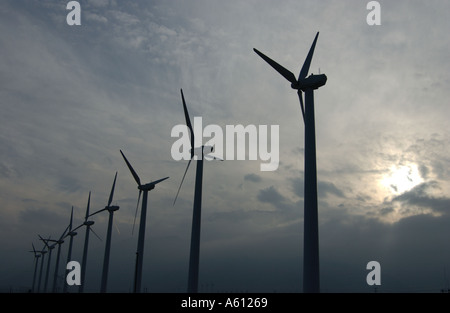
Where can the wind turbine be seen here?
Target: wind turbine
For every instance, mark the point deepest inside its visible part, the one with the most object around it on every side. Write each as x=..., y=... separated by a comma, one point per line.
x=43, y=252
x=110, y=208
x=140, y=247
x=71, y=234
x=58, y=242
x=36, y=259
x=311, y=278
x=196, y=216
x=50, y=249
x=88, y=225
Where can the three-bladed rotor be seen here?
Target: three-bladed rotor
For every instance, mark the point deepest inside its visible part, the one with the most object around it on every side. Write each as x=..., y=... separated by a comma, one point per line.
x=302, y=83
x=145, y=187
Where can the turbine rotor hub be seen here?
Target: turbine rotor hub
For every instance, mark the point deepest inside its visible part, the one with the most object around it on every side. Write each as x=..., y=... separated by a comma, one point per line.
x=295, y=86
x=112, y=208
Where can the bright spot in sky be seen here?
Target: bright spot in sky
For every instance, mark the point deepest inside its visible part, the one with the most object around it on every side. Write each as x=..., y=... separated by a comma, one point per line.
x=402, y=178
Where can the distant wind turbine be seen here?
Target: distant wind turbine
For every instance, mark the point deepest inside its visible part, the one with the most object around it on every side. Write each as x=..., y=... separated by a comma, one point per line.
x=43, y=252
x=311, y=278
x=36, y=261
x=71, y=233
x=110, y=208
x=50, y=249
x=196, y=217
x=59, y=242
x=140, y=247
x=88, y=225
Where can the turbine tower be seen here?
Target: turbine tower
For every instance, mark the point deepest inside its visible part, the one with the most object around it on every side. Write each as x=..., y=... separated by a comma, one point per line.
x=43, y=252
x=88, y=225
x=71, y=234
x=36, y=261
x=50, y=249
x=111, y=209
x=311, y=277
x=197, y=210
x=140, y=247
x=58, y=242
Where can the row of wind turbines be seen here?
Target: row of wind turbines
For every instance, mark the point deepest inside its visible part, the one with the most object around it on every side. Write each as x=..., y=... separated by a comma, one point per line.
x=70, y=232
x=311, y=276
x=143, y=189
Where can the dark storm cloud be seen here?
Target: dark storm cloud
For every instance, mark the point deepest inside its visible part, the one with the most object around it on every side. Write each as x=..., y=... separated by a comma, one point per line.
x=253, y=178
x=271, y=195
x=420, y=197
x=386, y=211
x=324, y=188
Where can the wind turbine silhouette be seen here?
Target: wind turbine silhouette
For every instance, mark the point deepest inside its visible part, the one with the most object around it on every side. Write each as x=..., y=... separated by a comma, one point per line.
x=140, y=247
x=58, y=242
x=196, y=217
x=311, y=278
x=36, y=261
x=42, y=252
x=50, y=249
x=71, y=234
x=110, y=208
x=88, y=225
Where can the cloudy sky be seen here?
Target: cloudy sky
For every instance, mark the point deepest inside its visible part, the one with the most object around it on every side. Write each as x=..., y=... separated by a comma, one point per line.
x=72, y=96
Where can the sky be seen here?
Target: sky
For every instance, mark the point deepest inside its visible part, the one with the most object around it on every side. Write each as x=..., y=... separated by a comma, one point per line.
x=72, y=96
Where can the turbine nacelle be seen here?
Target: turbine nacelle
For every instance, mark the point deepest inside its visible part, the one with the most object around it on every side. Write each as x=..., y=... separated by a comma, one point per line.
x=202, y=151
x=112, y=208
x=88, y=223
x=311, y=82
x=149, y=186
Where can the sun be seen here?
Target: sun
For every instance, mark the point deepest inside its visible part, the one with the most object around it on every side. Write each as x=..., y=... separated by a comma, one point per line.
x=402, y=178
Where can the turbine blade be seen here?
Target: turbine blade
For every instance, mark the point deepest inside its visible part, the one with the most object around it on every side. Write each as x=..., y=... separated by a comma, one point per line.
x=188, y=123
x=136, y=177
x=98, y=211
x=305, y=68
x=77, y=227
x=159, y=180
x=95, y=234
x=87, y=208
x=64, y=233
x=71, y=219
x=44, y=240
x=280, y=69
x=212, y=157
x=112, y=190
x=301, y=104
x=187, y=167
x=135, y=213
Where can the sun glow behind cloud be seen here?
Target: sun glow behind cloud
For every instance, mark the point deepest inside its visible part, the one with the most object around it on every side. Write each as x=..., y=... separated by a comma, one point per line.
x=401, y=178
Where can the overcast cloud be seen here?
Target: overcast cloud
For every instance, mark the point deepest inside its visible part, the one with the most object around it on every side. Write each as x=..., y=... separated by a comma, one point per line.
x=72, y=96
